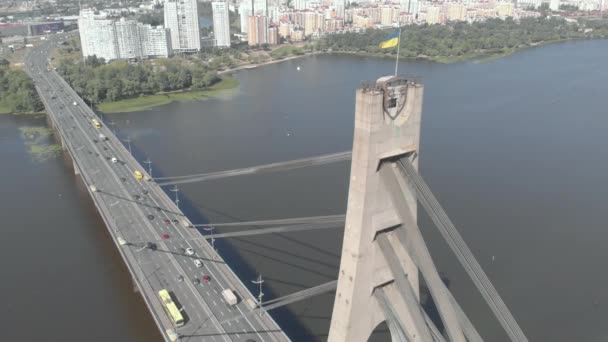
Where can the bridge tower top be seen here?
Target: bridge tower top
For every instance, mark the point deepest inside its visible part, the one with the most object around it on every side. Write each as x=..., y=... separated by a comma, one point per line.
x=387, y=126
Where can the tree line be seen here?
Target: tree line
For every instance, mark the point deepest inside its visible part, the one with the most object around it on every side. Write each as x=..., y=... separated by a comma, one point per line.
x=97, y=81
x=17, y=91
x=463, y=39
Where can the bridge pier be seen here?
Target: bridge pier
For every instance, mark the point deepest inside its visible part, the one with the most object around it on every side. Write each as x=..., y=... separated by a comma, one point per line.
x=387, y=126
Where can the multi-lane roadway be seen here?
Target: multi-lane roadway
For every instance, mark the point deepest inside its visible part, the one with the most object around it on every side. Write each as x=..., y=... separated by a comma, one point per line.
x=156, y=232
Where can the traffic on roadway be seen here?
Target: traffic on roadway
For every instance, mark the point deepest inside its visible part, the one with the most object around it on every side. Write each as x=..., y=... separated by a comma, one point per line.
x=189, y=289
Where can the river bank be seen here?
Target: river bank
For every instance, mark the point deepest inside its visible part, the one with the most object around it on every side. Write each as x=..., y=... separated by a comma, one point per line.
x=479, y=56
x=150, y=101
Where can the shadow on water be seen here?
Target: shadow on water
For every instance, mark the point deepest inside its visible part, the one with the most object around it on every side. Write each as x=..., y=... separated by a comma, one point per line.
x=284, y=317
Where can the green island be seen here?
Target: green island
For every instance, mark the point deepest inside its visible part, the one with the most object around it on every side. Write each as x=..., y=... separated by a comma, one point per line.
x=17, y=91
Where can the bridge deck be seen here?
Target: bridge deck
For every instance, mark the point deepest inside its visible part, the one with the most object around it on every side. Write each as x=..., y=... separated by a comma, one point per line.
x=144, y=219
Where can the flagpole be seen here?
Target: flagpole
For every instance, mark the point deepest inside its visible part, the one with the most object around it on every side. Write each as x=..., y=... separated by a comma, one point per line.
x=398, y=45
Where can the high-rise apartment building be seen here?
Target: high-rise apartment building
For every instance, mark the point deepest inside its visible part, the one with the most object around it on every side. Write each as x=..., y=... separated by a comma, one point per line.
x=221, y=24
x=389, y=15
x=433, y=15
x=410, y=6
x=456, y=11
x=248, y=8
x=340, y=6
x=114, y=39
x=554, y=5
x=181, y=18
x=258, y=30
x=128, y=39
x=97, y=35
x=273, y=36
x=504, y=9
x=155, y=41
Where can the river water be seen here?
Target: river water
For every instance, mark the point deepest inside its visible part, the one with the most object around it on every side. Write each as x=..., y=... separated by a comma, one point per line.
x=514, y=150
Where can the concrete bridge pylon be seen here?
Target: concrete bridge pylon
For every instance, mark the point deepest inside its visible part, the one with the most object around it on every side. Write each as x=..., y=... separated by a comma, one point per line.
x=378, y=280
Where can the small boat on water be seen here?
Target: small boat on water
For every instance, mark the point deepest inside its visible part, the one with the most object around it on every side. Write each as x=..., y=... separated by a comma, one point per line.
x=298, y=68
x=251, y=67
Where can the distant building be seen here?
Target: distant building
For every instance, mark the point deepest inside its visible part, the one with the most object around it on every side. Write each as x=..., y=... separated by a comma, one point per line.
x=410, y=6
x=340, y=6
x=181, y=18
x=97, y=36
x=456, y=11
x=389, y=15
x=433, y=15
x=504, y=9
x=115, y=39
x=529, y=3
x=248, y=8
x=221, y=24
x=155, y=41
x=127, y=39
x=554, y=5
x=273, y=36
x=258, y=30
x=36, y=29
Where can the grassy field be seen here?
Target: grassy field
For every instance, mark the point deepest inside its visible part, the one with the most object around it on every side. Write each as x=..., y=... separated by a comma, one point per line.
x=147, y=102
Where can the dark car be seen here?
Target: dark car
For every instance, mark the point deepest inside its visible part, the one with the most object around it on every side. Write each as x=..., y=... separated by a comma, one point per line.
x=150, y=217
x=151, y=245
x=196, y=281
x=157, y=208
x=136, y=196
x=145, y=192
x=167, y=221
x=175, y=221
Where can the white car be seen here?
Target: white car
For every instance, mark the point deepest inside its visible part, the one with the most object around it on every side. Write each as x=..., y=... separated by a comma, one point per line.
x=75, y=104
x=189, y=251
x=198, y=263
x=114, y=160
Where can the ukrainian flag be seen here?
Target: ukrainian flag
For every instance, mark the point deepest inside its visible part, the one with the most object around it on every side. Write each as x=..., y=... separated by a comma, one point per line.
x=390, y=41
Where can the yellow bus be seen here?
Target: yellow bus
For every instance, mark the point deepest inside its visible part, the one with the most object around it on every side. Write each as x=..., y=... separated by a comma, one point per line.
x=138, y=174
x=96, y=123
x=170, y=307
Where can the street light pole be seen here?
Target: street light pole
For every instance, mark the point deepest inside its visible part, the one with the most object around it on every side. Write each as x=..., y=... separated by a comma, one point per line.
x=149, y=162
x=211, y=228
x=176, y=190
x=128, y=141
x=259, y=281
x=112, y=123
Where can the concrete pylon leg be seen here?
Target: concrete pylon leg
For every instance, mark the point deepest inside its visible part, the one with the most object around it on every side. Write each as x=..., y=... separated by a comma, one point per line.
x=387, y=125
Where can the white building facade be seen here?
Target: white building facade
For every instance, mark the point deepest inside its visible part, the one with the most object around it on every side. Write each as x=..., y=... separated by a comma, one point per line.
x=181, y=18
x=115, y=39
x=221, y=24
x=127, y=39
x=97, y=36
x=155, y=41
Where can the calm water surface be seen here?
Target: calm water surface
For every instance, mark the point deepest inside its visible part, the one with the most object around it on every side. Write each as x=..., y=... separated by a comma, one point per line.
x=514, y=149
x=62, y=278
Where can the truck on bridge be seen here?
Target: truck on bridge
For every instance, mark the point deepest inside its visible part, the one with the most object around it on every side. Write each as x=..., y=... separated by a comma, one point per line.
x=230, y=297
